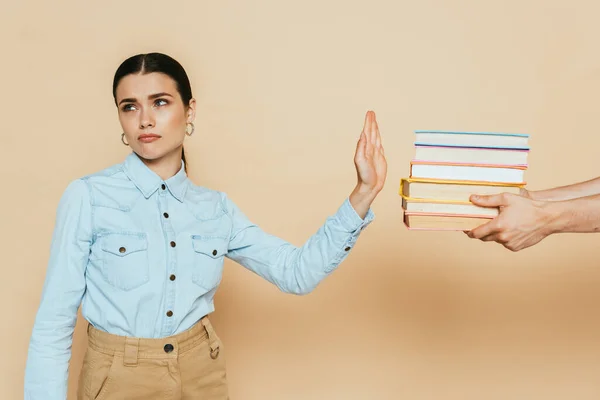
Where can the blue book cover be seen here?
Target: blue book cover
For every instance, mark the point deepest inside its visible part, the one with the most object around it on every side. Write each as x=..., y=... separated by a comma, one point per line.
x=475, y=133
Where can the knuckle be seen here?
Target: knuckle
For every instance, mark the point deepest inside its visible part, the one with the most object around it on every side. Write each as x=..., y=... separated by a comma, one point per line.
x=503, y=237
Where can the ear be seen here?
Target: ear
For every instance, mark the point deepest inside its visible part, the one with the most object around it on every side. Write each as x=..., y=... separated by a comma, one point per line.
x=191, y=111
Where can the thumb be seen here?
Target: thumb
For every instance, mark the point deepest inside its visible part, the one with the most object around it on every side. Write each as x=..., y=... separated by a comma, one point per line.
x=494, y=200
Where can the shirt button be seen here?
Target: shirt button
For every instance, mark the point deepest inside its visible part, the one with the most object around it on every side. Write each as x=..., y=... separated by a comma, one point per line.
x=173, y=244
x=163, y=187
x=168, y=348
x=172, y=277
x=169, y=313
x=214, y=252
x=122, y=250
x=347, y=248
x=166, y=215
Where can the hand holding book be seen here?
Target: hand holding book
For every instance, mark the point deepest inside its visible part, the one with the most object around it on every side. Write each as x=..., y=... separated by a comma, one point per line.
x=449, y=166
x=521, y=221
x=474, y=182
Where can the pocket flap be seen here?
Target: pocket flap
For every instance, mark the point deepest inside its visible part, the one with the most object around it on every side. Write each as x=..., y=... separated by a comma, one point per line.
x=213, y=248
x=124, y=244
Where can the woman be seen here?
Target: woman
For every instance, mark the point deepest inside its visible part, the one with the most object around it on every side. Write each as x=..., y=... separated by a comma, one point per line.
x=141, y=248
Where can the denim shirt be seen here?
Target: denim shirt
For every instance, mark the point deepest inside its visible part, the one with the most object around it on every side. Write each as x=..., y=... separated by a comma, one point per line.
x=144, y=257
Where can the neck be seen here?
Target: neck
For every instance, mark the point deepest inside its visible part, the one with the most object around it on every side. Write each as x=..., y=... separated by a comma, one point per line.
x=167, y=165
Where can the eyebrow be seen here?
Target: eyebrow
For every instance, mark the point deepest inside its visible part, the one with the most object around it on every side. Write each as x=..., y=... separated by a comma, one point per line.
x=151, y=97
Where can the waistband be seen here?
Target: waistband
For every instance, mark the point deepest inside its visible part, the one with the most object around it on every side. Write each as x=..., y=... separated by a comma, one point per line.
x=132, y=348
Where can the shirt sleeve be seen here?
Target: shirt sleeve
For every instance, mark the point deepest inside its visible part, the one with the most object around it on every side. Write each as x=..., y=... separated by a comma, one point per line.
x=46, y=372
x=295, y=269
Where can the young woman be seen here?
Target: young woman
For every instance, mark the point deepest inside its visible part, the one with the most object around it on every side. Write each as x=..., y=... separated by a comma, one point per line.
x=141, y=248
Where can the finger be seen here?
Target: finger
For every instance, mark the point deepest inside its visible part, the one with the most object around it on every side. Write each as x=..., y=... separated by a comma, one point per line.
x=484, y=230
x=360, y=147
x=367, y=122
x=495, y=200
x=367, y=127
x=368, y=135
x=378, y=144
x=379, y=155
x=490, y=238
x=374, y=129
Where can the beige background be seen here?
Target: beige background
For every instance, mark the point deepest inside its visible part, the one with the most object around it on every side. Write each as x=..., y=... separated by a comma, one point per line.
x=283, y=87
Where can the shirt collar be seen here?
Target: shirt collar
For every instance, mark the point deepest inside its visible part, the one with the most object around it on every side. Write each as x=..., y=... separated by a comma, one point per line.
x=147, y=181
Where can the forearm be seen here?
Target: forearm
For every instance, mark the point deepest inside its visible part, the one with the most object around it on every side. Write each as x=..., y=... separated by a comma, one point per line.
x=295, y=269
x=46, y=372
x=361, y=200
x=47, y=366
x=568, y=192
x=577, y=215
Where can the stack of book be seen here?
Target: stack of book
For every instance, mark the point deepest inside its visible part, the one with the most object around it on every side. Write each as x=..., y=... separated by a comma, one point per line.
x=448, y=167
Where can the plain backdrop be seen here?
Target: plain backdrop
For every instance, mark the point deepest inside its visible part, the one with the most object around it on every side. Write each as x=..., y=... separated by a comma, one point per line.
x=282, y=90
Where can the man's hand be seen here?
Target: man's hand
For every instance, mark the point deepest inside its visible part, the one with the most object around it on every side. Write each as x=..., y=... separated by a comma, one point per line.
x=521, y=222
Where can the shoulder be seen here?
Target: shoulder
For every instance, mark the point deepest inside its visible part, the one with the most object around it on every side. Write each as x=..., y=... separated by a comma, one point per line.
x=115, y=171
x=76, y=189
x=74, y=199
x=111, y=188
x=205, y=203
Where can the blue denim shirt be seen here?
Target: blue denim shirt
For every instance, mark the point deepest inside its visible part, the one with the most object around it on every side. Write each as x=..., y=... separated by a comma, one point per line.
x=144, y=257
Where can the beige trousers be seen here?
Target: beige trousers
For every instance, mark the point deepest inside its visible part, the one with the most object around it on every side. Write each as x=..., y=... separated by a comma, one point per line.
x=190, y=365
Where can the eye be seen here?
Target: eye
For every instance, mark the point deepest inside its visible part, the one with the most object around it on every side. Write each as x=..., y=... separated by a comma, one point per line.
x=128, y=107
x=161, y=102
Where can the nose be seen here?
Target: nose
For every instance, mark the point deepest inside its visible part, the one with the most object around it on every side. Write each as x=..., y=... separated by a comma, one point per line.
x=146, y=119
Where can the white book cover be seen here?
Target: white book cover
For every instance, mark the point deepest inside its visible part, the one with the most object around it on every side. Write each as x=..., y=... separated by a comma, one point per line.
x=468, y=173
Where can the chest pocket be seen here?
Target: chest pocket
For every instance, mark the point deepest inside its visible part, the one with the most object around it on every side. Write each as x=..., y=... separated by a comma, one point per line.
x=125, y=260
x=209, y=254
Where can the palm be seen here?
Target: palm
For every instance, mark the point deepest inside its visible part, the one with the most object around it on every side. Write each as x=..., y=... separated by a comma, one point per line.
x=371, y=166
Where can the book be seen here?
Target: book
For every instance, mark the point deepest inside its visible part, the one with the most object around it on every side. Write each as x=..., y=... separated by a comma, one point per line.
x=471, y=155
x=476, y=172
x=441, y=207
x=473, y=139
x=451, y=190
x=449, y=166
x=442, y=222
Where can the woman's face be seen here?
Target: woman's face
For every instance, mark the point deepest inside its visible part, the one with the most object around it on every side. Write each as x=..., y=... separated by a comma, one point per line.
x=152, y=114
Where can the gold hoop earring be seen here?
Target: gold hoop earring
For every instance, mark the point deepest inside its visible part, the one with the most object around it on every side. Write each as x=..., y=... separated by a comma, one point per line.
x=123, y=139
x=187, y=132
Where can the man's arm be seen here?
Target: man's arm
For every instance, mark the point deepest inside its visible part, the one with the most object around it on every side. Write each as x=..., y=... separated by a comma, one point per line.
x=582, y=189
x=577, y=215
x=523, y=222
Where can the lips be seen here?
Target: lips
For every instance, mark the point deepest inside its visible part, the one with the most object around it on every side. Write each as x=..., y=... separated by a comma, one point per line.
x=148, y=137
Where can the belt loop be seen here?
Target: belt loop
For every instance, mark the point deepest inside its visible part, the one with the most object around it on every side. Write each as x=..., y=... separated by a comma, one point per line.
x=212, y=338
x=130, y=357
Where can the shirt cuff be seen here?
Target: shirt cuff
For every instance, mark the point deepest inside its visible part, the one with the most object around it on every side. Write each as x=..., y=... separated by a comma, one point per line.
x=350, y=220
